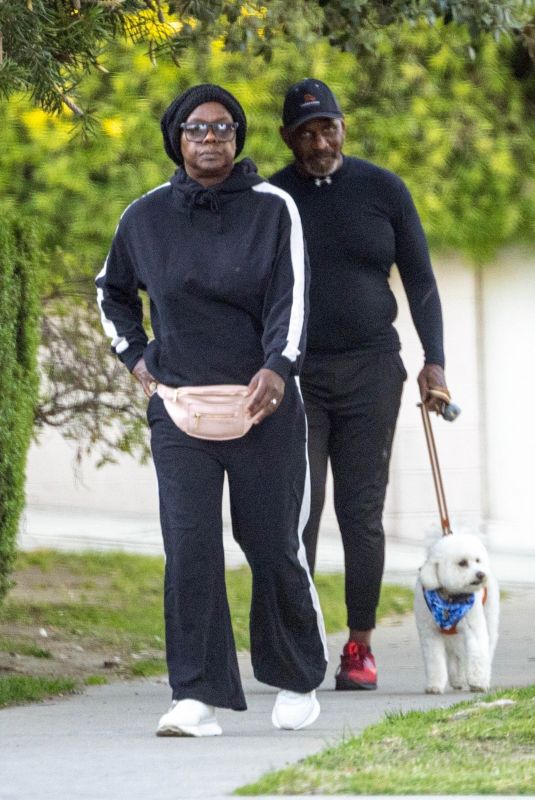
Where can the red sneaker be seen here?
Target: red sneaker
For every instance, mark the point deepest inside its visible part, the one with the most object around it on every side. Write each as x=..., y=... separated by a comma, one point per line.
x=357, y=668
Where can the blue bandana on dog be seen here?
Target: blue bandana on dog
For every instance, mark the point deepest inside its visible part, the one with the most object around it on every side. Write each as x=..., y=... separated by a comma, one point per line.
x=447, y=612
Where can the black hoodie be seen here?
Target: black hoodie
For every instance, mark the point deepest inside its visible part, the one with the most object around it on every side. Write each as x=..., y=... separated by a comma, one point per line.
x=227, y=276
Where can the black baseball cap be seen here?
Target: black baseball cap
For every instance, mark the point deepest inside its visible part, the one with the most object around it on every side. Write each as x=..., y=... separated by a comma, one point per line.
x=309, y=99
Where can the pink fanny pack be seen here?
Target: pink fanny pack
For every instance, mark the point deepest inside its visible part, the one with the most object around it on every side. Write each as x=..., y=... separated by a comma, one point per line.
x=208, y=412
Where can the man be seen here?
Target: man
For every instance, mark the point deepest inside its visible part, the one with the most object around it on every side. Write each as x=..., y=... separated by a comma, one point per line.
x=358, y=220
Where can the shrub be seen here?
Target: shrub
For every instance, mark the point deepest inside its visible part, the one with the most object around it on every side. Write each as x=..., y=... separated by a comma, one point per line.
x=18, y=375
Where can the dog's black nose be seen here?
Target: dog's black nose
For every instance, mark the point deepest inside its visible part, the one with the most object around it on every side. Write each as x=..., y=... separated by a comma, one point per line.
x=480, y=575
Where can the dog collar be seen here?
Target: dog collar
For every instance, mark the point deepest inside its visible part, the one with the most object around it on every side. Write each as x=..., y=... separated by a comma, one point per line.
x=448, y=611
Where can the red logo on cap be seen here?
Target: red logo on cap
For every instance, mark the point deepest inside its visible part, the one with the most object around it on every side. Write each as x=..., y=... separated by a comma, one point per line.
x=309, y=98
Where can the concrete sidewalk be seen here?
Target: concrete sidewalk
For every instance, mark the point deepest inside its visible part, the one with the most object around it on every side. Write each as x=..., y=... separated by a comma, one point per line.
x=77, y=530
x=101, y=745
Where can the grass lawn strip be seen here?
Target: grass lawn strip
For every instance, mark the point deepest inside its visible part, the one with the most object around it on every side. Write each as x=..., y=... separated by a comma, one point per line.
x=99, y=616
x=468, y=749
x=26, y=689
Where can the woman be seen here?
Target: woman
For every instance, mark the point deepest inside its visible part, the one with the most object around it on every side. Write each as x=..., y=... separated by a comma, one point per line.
x=220, y=253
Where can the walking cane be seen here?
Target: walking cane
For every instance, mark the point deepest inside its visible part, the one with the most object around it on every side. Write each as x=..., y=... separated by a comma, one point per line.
x=449, y=412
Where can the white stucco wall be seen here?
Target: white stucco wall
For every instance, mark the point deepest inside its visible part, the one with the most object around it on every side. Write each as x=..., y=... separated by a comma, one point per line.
x=489, y=342
x=411, y=507
x=508, y=319
x=53, y=478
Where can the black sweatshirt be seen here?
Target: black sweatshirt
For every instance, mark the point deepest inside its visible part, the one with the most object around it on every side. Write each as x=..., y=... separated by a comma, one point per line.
x=356, y=226
x=227, y=278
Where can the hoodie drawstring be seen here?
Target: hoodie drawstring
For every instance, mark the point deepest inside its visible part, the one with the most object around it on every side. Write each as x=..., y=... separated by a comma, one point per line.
x=190, y=194
x=205, y=198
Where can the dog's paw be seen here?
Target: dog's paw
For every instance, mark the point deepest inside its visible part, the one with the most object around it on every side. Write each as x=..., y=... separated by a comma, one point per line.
x=433, y=690
x=457, y=686
x=478, y=688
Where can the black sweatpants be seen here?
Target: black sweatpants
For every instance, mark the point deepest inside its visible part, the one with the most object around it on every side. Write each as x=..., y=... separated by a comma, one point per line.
x=352, y=402
x=269, y=493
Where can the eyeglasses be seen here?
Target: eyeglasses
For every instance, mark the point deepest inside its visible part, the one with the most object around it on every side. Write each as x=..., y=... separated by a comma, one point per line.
x=198, y=131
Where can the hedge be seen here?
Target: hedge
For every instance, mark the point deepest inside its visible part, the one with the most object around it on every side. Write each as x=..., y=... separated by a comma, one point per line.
x=18, y=375
x=461, y=134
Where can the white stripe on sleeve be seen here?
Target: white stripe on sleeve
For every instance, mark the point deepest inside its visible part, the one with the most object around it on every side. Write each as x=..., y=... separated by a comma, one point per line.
x=118, y=343
x=297, y=250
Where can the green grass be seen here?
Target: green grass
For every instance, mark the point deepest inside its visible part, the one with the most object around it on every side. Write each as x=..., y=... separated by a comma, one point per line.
x=111, y=604
x=464, y=750
x=113, y=597
x=146, y=667
x=117, y=598
x=28, y=689
x=21, y=648
x=95, y=680
x=394, y=600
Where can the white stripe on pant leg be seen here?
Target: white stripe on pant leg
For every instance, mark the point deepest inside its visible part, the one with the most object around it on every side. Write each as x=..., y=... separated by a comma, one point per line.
x=301, y=553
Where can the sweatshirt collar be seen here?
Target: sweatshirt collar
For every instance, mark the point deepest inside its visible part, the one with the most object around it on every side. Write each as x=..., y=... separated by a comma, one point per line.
x=189, y=194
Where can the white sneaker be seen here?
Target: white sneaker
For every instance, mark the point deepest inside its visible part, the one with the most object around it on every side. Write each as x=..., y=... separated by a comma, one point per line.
x=189, y=718
x=293, y=711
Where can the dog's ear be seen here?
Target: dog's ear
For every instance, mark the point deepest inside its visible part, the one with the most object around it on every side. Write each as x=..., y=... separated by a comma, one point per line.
x=429, y=575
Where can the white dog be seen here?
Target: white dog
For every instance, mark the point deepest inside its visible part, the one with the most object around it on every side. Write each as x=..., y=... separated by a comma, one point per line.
x=457, y=606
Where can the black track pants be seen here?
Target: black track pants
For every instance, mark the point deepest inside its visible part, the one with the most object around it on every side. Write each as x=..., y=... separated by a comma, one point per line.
x=352, y=403
x=269, y=494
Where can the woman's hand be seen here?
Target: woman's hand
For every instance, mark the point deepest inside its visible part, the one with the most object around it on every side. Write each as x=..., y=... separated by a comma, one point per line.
x=147, y=381
x=266, y=390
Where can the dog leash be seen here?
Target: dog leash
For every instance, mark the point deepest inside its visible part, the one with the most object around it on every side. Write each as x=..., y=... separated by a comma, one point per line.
x=450, y=412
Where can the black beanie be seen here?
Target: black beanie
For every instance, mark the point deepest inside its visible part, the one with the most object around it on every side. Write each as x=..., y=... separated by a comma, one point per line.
x=184, y=104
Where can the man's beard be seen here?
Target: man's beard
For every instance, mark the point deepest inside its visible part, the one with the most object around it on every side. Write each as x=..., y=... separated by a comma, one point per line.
x=321, y=166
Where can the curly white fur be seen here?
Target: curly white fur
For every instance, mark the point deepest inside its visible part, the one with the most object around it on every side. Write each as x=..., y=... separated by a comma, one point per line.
x=458, y=564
